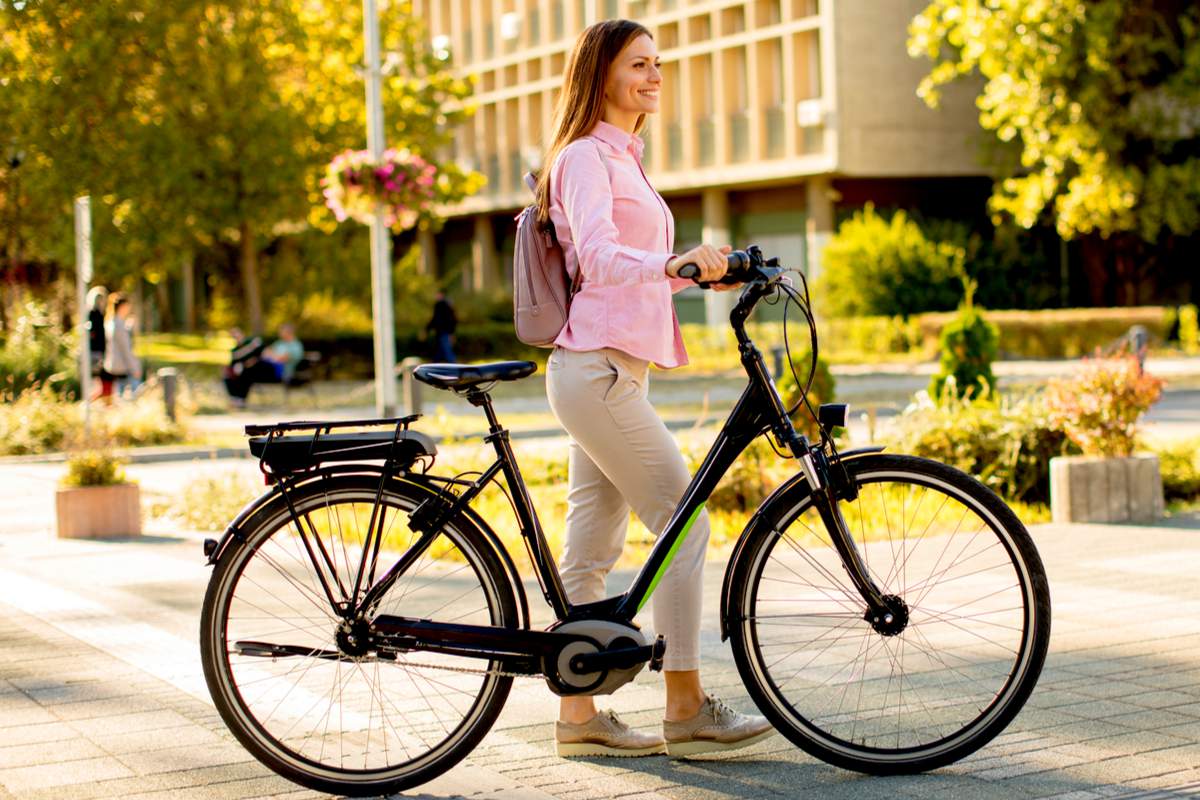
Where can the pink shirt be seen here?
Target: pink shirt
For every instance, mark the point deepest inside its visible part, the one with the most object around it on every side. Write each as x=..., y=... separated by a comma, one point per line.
x=614, y=226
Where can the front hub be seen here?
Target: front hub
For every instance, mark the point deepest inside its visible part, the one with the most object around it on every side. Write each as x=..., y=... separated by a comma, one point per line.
x=892, y=619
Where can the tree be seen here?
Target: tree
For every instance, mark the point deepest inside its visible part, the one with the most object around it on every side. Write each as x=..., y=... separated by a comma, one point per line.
x=205, y=125
x=1098, y=103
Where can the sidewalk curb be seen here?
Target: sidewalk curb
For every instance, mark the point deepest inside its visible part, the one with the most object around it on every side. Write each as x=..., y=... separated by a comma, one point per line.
x=139, y=455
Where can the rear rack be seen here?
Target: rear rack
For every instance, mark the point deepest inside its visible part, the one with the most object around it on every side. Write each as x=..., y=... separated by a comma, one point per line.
x=402, y=423
x=276, y=431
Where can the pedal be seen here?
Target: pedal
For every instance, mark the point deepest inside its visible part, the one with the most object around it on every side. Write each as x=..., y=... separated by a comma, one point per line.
x=656, y=654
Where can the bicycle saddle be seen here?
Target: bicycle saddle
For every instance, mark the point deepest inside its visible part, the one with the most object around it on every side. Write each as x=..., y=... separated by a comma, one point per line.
x=460, y=376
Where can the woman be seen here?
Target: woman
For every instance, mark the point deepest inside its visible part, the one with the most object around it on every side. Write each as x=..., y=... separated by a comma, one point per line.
x=119, y=360
x=618, y=230
x=97, y=298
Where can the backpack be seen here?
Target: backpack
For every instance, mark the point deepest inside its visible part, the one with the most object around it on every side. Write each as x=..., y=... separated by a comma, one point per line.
x=542, y=289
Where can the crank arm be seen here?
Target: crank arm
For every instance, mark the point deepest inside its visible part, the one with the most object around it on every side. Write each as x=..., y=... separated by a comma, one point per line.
x=621, y=658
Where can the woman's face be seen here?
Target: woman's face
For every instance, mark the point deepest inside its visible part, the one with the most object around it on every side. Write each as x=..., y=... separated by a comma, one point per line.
x=634, y=79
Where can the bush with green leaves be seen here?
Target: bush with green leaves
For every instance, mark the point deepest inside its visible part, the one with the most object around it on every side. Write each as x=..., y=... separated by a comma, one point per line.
x=1189, y=330
x=821, y=391
x=1179, y=463
x=37, y=351
x=968, y=346
x=876, y=266
x=1007, y=443
x=38, y=420
x=95, y=466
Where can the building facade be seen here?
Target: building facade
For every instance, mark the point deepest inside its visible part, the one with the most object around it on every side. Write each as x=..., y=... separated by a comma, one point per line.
x=774, y=115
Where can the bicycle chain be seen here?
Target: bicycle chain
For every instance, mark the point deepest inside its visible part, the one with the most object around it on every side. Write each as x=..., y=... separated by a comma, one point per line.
x=468, y=670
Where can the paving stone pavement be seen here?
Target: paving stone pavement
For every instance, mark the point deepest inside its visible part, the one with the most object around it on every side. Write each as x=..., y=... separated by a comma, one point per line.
x=101, y=694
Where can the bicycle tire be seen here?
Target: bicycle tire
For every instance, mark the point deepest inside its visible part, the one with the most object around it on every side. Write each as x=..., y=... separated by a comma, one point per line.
x=965, y=687
x=269, y=555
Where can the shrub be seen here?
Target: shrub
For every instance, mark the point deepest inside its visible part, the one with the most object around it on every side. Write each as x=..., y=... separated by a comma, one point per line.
x=968, y=347
x=822, y=391
x=1099, y=407
x=38, y=352
x=877, y=266
x=1189, y=330
x=208, y=503
x=39, y=421
x=1007, y=444
x=93, y=467
x=1179, y=463
x=1060, y=332
x=754, y=475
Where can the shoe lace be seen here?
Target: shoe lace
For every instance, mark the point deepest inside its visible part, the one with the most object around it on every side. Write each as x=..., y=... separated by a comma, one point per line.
x=722, y=711
x=612, y=715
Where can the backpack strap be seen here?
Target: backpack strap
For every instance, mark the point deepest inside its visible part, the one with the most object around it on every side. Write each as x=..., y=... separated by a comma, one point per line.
x=531, y=179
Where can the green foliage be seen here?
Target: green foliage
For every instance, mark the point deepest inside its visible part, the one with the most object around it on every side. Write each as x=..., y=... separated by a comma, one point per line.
x=1179, y=463
x=39, y=420
x=1096, y=100
x=751, y=479
x=821, y=391
x=1189, y=330
x=199, y=126
x=93, y=467
x=968, y=346
x=209, y=502
x=1006, y=444
x=38, y=352
x=879, y=266
x=1099, y=407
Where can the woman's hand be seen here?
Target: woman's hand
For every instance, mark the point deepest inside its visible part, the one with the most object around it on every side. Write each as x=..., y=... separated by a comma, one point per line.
x=710, y=260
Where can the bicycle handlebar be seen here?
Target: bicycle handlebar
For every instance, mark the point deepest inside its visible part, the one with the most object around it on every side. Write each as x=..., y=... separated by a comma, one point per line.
x=737, y=271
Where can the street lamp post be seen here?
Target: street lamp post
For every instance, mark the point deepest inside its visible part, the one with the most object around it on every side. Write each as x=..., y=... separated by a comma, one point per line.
x=381, y=261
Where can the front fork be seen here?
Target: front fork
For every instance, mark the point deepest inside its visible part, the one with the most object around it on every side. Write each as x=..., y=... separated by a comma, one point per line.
x=828, y=487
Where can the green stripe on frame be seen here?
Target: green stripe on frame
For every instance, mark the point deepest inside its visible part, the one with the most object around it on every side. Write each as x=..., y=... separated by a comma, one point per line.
x=670, y=556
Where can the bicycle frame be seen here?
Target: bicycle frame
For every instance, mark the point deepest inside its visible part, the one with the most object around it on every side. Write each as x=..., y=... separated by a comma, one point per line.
x=758, y=410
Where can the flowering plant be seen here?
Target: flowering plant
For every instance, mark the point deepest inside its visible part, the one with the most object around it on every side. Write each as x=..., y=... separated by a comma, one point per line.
x=1100, y=406
x=401, y=181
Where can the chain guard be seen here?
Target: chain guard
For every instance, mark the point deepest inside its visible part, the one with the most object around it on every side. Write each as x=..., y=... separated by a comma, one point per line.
x=600, y=634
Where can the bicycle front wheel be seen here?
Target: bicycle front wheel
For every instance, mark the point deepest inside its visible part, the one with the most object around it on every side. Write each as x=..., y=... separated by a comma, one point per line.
x=960, y=654
x=311, y=703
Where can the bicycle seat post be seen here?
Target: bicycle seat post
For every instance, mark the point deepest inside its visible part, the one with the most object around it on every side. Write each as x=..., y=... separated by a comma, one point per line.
x=531, y=528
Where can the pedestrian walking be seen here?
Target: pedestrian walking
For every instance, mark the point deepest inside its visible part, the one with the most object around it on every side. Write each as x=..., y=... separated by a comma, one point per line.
x=97, y=298
x=443, y=324
x=120, y=363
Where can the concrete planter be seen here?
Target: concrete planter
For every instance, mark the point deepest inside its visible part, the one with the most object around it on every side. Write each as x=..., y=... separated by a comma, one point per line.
x=1097, y=489
x=87, y=512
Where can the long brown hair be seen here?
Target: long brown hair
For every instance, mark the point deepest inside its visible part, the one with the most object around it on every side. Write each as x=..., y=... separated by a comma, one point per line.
x=581, y=101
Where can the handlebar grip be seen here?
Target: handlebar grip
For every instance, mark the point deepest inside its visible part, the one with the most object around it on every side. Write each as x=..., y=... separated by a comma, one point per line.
x=737, y=261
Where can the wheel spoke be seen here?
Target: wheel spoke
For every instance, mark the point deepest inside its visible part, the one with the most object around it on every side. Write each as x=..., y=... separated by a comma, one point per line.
x=930, y=681
x=354, y=713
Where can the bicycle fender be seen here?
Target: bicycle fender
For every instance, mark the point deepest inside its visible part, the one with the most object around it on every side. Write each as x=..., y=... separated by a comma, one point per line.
x=274, y=495
x=790, y=491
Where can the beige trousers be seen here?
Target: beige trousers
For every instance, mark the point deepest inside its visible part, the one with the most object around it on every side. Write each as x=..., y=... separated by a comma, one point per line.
x=621, y=455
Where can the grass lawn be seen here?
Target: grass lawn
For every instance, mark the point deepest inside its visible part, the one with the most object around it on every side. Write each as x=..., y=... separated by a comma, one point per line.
x=199, y=356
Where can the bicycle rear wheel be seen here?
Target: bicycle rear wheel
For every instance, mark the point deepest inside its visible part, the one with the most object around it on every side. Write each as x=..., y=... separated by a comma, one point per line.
x=298, y=694
x=963, y=651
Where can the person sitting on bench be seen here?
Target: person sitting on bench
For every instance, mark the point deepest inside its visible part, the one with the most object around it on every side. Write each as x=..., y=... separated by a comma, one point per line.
x=274, y=364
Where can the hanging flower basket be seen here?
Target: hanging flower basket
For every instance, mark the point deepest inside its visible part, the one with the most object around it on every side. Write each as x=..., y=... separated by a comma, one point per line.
x=401, y=181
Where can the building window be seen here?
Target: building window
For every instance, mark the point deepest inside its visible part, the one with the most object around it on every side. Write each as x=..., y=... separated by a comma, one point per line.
x=559, y=16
